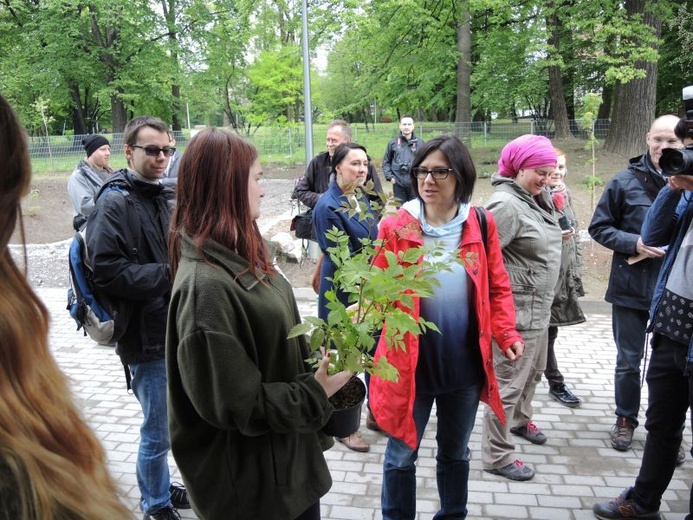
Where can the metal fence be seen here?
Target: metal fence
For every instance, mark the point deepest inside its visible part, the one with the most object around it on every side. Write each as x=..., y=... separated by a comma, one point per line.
x=286, y=145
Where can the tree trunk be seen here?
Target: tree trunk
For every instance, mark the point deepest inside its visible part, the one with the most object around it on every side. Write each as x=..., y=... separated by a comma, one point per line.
x=176, y=108
x=605, y=107
x=559, y=109
x=634, y=102
x=78, y=120
x=118, y=112
x=463, y=113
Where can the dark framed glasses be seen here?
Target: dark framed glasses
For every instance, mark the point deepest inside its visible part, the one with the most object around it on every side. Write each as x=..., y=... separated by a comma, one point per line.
x=154, y=151
x=438, y=174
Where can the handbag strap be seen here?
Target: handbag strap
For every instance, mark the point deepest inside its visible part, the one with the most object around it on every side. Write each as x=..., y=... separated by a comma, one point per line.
x=483, y=226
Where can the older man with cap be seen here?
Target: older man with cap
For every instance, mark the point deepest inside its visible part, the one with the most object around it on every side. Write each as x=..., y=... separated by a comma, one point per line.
x=530, y=239
x=87, y=179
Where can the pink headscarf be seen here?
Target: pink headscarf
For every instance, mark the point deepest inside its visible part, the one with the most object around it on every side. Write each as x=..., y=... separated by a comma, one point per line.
x=526, y=152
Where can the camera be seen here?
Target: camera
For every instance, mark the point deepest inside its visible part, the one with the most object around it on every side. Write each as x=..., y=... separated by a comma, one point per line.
x=680, y=161
x=404, y=168
x=677, y=161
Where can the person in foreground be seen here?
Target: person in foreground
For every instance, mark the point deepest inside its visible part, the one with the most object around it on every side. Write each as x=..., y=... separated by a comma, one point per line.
x=566, y=307
x=51, y=464
x=454, y=368
x=669, y=222
x=350, y=165
x=530, y=238
x=245, y=410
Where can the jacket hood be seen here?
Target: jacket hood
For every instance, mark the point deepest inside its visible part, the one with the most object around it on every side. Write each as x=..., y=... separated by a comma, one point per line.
x=223, y=257
x=132, y=181
x=643, y=163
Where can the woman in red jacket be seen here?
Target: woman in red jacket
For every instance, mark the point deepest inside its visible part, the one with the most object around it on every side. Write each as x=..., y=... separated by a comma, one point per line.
x=454, y=368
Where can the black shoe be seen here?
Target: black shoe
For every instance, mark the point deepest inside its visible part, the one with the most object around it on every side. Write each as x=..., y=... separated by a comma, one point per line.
x=165, y=513
x=564, y=396
x=623, y=507
x=179, y=496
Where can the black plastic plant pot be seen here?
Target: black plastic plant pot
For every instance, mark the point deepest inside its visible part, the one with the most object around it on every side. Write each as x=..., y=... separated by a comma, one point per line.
x=346, y=417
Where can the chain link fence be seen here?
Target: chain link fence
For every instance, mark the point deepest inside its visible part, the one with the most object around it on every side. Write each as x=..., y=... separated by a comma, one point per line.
x=286, y=145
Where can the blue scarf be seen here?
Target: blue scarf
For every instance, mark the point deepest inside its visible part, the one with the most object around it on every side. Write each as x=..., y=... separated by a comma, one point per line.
x=416, y=209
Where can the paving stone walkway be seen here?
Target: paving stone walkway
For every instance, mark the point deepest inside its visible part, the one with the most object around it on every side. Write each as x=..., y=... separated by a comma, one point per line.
x=575, y=468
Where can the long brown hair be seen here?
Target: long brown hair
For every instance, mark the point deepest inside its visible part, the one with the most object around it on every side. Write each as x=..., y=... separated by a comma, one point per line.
x=51, y=464
x=212, y=199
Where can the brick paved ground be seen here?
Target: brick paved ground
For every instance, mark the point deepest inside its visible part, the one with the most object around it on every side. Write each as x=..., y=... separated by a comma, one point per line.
x=575, y=468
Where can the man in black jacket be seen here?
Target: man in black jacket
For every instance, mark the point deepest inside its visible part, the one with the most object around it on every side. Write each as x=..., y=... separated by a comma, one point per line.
x=317, y=177
x=131, y=267
x=398, y=157
x=616, y=225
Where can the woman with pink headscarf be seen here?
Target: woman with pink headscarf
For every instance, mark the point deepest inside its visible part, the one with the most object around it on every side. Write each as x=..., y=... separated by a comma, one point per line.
x=530, y=239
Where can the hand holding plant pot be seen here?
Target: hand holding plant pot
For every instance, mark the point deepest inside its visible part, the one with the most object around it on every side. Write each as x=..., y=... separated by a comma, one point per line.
x=363, y=298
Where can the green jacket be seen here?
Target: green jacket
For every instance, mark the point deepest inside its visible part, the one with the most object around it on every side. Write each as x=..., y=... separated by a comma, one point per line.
x=244, y=409
x=530, y=239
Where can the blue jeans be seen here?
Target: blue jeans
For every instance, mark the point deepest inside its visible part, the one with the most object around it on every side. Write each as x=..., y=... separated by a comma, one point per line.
x=456, y=412
x=149, y=386
x=629, y=334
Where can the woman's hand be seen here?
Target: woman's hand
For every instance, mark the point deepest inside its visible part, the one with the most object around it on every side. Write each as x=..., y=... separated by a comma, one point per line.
x=330, y=384
x=315, y=280
x=514, y=351
x=567, y=233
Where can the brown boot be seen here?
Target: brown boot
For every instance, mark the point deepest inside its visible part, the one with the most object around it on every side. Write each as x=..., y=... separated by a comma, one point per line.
x=355, y=442
x=371, y=423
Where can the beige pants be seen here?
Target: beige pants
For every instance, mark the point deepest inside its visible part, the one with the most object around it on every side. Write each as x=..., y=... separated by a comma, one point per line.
x=517, y=381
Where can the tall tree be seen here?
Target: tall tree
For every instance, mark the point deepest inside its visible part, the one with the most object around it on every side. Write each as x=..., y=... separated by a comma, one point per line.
x=463, y=113
x=559, y=108
x=635, y=97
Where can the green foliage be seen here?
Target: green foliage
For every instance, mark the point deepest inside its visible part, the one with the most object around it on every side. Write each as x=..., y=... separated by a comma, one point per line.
x=376, y=296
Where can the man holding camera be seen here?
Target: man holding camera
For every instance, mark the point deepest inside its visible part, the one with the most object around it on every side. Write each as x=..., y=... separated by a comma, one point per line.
x=669, y=223
x=398, y=156
x=616, y=224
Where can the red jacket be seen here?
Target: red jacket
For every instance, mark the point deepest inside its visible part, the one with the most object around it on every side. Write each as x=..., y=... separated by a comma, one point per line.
x=392, y=403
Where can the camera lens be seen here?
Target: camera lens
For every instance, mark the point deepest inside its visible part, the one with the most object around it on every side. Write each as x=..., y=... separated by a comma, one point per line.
x=676, y=162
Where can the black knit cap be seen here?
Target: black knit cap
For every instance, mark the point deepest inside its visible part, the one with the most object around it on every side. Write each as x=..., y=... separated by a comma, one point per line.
x=93, y=142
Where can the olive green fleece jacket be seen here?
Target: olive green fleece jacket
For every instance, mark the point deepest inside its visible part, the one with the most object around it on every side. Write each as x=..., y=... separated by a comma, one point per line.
x=244, y=409
x=530, y=239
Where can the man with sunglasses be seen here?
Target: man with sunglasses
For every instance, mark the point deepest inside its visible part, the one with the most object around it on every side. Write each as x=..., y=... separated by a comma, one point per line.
x=127, y=238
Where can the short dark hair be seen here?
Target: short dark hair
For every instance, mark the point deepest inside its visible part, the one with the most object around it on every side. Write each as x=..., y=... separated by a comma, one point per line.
x=459, y=160
x=132, y=129
x=342, y=150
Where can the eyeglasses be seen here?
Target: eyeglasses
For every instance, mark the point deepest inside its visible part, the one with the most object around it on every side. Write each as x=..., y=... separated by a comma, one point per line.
x=438, y=174
x=154, y=151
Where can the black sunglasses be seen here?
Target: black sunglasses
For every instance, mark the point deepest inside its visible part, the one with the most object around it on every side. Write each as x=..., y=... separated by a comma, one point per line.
x=154, y=151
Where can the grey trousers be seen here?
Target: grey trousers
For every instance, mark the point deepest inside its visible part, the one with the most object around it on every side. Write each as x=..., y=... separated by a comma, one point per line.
x=517, y=381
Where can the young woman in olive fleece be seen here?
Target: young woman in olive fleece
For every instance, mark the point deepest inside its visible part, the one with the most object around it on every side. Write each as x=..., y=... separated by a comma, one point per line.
x=245, y=410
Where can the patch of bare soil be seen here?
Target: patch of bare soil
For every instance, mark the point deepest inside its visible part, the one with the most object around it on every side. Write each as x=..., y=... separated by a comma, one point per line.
x=47, y=217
